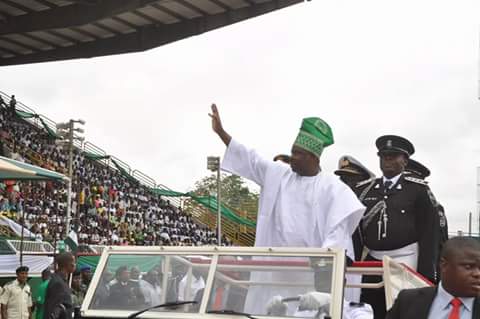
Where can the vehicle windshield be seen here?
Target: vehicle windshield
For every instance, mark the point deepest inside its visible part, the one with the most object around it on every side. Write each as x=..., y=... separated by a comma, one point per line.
x=250, y=284
x=253, y=281
x=134, y=282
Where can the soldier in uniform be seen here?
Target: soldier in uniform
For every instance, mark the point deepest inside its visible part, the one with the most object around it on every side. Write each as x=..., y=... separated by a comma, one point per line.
x=353, y=173
x=400, y=220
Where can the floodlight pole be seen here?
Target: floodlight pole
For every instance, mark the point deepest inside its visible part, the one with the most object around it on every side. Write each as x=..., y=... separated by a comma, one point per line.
x=219, y=209
x=66, y=131
x=70, y=173
x=470, y=224
x=22, y=238
x=213, y=164
x=478, y=198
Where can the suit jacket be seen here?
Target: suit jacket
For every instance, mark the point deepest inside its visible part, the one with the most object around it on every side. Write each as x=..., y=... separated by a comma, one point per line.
x=416, y=303
x=58, y=298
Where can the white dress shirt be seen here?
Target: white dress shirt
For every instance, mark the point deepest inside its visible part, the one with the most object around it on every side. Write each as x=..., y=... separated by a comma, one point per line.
x=394, y=179
x=441, y=306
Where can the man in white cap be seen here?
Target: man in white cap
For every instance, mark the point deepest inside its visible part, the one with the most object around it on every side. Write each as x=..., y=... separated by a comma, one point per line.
x=355, y=174
x=300, y=206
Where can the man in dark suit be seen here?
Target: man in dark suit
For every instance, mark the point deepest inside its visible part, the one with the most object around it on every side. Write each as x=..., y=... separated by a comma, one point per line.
x=458, y=293
x=58, y=298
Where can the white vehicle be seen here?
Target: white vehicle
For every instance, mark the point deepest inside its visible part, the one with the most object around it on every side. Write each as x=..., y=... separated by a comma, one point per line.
x=228, y=282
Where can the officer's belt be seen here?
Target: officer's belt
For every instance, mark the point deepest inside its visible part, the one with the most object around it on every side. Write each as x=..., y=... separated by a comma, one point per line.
x=407, y=254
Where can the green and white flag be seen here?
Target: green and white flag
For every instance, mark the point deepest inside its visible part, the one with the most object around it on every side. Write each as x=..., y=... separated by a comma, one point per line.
x=72, y=240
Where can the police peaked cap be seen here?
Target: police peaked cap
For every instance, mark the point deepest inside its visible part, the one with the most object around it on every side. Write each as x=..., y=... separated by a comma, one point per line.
x=394, y=144
x=417, y=168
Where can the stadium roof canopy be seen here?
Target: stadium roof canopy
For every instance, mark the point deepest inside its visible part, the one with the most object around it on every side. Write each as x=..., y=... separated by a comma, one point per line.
x=34, y=31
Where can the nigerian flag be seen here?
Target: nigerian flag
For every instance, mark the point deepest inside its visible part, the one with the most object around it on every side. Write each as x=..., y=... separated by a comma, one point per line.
x=72, y=240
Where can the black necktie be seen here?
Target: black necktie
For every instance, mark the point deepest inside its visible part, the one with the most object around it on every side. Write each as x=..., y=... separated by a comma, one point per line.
x=387, y=184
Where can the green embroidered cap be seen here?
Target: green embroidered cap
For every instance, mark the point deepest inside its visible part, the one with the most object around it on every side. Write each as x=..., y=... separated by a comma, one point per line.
x=315, y=134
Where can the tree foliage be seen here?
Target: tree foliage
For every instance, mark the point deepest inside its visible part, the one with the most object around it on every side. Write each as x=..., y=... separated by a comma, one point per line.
x=234, y=192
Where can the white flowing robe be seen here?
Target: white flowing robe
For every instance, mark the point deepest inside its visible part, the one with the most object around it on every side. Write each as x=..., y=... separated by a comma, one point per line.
x=294, y=211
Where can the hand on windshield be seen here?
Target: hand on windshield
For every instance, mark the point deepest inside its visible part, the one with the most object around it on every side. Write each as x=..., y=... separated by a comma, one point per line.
x=276, y=307
x=314, y=300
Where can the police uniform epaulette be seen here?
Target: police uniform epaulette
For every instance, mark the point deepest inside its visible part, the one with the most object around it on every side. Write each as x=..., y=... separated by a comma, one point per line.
x=367, y=181
x=416, y=180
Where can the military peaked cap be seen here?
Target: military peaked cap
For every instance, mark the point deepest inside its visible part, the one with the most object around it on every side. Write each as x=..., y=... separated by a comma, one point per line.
x=348, y=165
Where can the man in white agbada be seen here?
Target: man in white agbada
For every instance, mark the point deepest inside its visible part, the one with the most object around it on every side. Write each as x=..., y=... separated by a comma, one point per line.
x=300, y=206
x=316, y=305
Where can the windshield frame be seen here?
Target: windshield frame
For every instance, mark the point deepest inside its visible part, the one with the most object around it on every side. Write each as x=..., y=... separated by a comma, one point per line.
x=338, y=273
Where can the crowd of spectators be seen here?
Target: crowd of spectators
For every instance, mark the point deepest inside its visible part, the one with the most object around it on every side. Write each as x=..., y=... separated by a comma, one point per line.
x=108, y=207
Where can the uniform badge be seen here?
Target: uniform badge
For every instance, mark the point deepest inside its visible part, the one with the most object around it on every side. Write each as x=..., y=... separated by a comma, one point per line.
x=344, y=163
x=389, y=143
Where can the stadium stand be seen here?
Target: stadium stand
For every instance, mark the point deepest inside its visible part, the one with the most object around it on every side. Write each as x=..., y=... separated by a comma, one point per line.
x=108, y=207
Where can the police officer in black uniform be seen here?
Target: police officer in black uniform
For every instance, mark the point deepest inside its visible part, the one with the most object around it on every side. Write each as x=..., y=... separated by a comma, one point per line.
x=353, y=173
x=400, y=220
x=418, y=170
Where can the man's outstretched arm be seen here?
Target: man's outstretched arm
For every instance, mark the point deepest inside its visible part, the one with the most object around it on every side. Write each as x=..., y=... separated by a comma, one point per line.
x=239, y=159
x=217, y=126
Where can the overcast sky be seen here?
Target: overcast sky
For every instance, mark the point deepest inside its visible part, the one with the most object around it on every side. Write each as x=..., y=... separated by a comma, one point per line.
x=367, y=67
